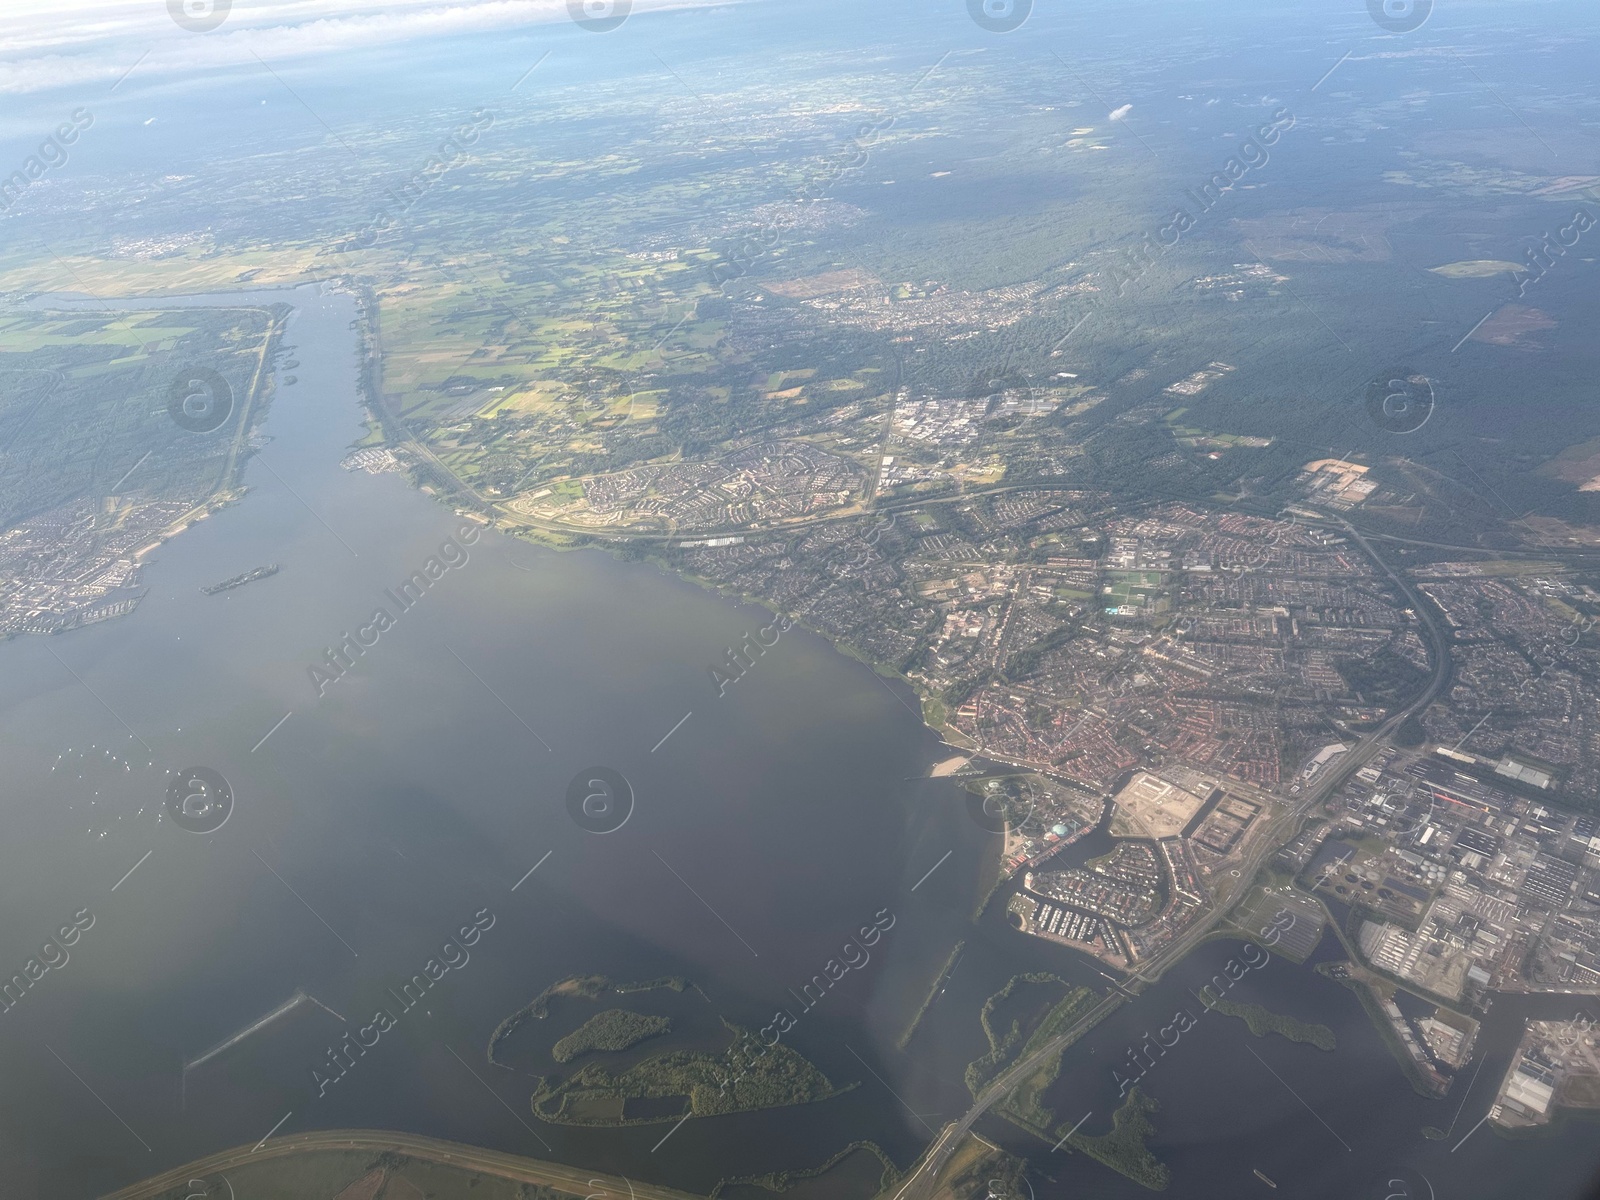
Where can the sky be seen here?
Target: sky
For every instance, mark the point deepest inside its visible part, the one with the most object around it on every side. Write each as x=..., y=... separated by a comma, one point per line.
x=64, y=44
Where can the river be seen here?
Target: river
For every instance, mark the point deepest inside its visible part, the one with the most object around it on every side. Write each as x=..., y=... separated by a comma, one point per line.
x=417, y=794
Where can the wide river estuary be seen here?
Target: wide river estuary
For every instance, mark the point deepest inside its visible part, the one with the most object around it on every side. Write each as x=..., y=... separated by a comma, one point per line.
x=416, y=794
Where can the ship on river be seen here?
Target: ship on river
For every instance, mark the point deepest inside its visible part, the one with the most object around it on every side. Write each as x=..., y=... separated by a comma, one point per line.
x=241, y=580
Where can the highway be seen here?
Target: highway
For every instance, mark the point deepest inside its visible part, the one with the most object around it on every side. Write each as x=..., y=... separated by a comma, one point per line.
x=921, y=1181
x=572, y=1180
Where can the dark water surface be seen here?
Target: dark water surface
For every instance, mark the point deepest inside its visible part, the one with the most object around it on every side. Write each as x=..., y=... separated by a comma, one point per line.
x=383, y=816
x=1341, y=1125
x=379, y=819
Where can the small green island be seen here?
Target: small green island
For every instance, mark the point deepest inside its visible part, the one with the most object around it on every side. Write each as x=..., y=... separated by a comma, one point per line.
x=680, y=1083
x=1262, y=1021
x=615, y=1029
x=579, y=987
x=1124, y=1149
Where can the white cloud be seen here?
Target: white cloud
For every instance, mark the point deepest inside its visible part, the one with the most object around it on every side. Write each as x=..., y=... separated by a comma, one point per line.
x=1118, y=113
